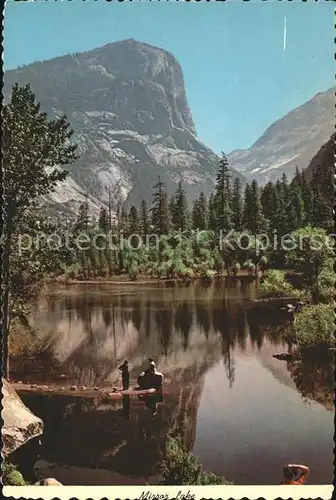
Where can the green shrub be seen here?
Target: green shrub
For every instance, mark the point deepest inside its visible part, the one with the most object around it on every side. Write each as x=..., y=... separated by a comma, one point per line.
x=249, y=266
x=264, y=262
x=314, y=326
x=11, y=476
x=181, y=467
x=209, y=273
x=236, y=268
x=274, y=284
x=324, y=288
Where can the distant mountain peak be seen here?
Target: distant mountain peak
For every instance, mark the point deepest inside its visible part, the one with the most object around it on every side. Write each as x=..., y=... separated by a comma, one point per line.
x=292, y=140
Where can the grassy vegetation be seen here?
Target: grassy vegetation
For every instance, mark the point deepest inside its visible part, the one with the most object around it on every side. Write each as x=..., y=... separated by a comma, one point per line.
x=181, y=467
x=11, y=476
x=314, y=327
x=274, y=284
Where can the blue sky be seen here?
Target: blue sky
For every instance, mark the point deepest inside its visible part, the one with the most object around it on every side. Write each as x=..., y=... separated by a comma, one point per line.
x=238, y=77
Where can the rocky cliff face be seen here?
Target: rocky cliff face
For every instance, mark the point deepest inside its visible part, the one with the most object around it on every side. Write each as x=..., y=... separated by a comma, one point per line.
x=292, y=140
x=127, y=104
x=324, y=160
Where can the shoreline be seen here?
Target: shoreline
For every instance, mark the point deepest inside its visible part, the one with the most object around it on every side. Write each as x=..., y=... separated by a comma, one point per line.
x=53, y=390
x=148, y=281
x=123, y=279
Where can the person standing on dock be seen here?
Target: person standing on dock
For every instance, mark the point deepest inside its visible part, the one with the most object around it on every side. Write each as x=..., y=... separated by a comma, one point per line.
x=151, y=367
x=124, y=375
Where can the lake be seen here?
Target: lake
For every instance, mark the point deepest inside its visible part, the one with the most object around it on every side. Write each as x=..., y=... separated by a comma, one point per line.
x=243, y=413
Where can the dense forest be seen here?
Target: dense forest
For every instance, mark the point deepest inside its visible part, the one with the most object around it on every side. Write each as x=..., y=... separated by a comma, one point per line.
x=236, y=229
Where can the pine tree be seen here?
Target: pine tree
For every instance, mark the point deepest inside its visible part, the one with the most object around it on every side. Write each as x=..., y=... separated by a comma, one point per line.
x=30, y=142
x=212, y=213
x=180, y=213
x=280, y=206
x=268, y=200
x=124, y=224
x=296, y=206
x=322, y=189
x=118, y=219
x=237, y=205
x=253, y=218
x=285, y=189
x=159, y=209
x=195, y=214
x=172, y=210
x=82, y=222
x=203, y=211
x=247, y=210
x=103, y=222
x=166, y=222
x=307, y=200
x=297, y=178
x=144, y=222
x=200, y=213
x=133, y=221
x=291, y=215
x=222, y=198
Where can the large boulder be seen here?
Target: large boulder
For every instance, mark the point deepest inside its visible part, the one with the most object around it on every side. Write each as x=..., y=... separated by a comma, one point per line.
x=49, y=481
x=20, y=424
x=150, y=380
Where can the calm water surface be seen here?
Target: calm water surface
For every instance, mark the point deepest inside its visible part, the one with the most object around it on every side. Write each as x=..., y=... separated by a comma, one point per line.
x=243, y=413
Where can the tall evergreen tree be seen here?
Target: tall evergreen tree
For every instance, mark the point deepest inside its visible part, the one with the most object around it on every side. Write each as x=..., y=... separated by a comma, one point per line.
x=296, y=207
x=253, y=218
x=280, y=205
x=124, y=225
x=103, y=222
x=268, y=203
x=307, y=199
x=297, y=178
x=30, y=142
x=200, y=213
x=247, y=211
x=195, y=214
x=82, y=222
x=166, y=222
x=322, y=189
x=180, y=213
x=144, y=222
x=285, y=188
x=133, y=221
x=222, y=198
x=237, y=205
x=212, y=224
x=172, y=210
x=118, y=219
x=159, y=209
x=203, y=211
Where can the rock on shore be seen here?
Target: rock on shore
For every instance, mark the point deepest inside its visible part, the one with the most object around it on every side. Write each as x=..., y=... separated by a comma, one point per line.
x=20, y=424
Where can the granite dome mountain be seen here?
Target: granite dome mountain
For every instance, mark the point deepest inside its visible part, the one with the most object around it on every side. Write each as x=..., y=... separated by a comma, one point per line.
x=127, y=104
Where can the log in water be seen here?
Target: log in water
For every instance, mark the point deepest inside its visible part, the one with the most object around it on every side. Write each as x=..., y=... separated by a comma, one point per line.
x=87, y=392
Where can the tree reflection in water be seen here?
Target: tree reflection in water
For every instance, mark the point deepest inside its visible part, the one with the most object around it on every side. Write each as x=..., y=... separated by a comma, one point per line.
x=126, y=406
x=314, y=378
x=177, y=325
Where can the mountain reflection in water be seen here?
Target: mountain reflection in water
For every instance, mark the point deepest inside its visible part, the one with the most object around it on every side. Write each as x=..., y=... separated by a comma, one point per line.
x=241, y=411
